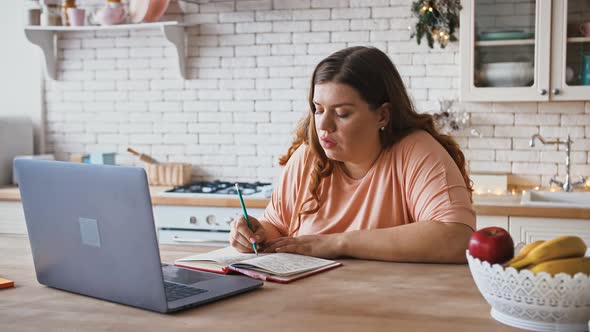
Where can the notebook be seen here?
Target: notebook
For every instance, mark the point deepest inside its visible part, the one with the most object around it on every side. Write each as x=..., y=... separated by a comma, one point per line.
x=277, y=267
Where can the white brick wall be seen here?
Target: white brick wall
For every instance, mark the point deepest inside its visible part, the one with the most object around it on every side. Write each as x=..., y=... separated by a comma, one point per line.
x=249, y=63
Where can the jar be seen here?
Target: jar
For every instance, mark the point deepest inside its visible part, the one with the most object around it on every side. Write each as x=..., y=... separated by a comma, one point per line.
x=33, y=16
x=64, y=11
x=51, y=15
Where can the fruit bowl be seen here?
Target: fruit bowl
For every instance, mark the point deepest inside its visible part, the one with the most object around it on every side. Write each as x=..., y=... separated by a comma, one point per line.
x=534, y=302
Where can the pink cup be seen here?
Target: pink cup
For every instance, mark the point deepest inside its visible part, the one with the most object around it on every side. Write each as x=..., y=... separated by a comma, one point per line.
x=77, y=16
x=585, y=29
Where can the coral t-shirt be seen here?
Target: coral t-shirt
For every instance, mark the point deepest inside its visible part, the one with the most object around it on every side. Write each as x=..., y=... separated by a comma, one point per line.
x=414, y=180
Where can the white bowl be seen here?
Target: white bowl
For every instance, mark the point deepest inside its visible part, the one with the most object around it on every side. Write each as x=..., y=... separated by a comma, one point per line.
x=533, y=302
x=507, y=73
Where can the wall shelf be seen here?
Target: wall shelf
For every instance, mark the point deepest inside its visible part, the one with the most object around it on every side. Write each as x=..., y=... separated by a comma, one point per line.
x=510, y=42
x=46, y=38
x=578, y=39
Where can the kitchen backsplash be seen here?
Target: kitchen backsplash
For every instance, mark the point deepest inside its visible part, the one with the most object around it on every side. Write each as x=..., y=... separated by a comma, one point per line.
x=248, y=65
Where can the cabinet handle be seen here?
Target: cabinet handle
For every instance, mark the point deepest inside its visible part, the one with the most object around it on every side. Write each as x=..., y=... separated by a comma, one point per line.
x=177, y=238
x=555, y=91
x=543, y=92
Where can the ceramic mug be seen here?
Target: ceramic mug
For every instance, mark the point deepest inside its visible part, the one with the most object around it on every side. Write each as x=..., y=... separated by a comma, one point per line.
x=585, y=70
x=77, y=16
x=585, y=29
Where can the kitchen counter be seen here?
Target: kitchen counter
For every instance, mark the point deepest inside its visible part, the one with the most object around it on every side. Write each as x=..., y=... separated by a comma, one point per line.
x=509, y=205
x=359, y=296
x=490, y=205
x=11, y=193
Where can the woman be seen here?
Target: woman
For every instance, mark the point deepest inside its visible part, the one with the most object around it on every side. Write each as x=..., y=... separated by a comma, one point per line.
x=366, y=176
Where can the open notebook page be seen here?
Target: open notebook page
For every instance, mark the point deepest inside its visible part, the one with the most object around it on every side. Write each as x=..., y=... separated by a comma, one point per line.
x=225, y=256
x=283, y=264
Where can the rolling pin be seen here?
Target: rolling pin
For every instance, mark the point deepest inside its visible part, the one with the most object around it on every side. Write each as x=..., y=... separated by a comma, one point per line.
x=142, y=157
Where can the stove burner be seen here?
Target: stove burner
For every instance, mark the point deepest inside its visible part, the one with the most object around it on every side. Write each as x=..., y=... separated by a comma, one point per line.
x=220, y=187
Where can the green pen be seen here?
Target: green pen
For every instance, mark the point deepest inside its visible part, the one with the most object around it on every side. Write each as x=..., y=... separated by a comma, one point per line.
x=246, y=216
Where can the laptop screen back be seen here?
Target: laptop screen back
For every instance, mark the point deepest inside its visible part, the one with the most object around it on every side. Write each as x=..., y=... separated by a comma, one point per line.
x=91, y=230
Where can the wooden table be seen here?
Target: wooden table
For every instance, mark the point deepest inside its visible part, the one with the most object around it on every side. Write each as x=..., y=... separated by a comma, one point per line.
x=359, y=296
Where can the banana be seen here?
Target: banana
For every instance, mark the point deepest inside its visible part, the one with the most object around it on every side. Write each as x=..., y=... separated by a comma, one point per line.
x=557, y=248
x=523, y=252
x=570, y=266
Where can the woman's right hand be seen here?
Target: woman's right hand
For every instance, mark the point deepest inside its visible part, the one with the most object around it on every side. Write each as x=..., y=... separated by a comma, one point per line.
x=241, y=237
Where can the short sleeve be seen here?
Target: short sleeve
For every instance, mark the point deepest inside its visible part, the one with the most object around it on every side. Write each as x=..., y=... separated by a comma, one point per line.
x=281, y=208
x=434, y=184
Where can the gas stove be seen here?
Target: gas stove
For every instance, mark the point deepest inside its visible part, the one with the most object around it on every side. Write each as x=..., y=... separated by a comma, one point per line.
x=223, y=189
x=205, y=225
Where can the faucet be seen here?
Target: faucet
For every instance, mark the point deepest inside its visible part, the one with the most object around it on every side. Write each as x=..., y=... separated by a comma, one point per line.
x=566, y=185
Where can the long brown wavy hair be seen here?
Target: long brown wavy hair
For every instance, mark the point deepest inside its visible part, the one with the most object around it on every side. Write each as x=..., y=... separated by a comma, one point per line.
x=372, y=74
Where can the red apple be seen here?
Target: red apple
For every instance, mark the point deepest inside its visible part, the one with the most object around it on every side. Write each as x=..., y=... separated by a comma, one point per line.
x=492, y=244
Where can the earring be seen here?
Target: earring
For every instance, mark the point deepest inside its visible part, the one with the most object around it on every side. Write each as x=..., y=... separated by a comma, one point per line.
x=382, y=128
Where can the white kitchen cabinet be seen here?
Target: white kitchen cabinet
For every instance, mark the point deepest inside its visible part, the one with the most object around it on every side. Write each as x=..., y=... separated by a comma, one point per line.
x=488, y=221
x=568, y=49
x=525, y=229
x=12, y=218
x=512, y=34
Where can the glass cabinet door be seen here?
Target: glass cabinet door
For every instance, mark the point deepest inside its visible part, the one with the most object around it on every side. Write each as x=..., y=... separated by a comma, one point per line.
x=571, y=54
x=505, y=54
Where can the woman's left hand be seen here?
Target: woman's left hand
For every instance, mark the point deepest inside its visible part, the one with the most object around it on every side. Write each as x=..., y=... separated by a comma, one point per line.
x=325, y=246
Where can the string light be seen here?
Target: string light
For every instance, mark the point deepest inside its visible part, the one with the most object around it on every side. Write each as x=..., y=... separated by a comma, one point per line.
x=437, y=20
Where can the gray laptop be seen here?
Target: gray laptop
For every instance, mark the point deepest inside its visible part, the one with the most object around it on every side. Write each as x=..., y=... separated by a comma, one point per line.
x=92, y=232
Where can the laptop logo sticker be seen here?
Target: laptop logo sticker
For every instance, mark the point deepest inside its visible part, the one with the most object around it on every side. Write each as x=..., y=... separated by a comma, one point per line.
x=89, y=232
